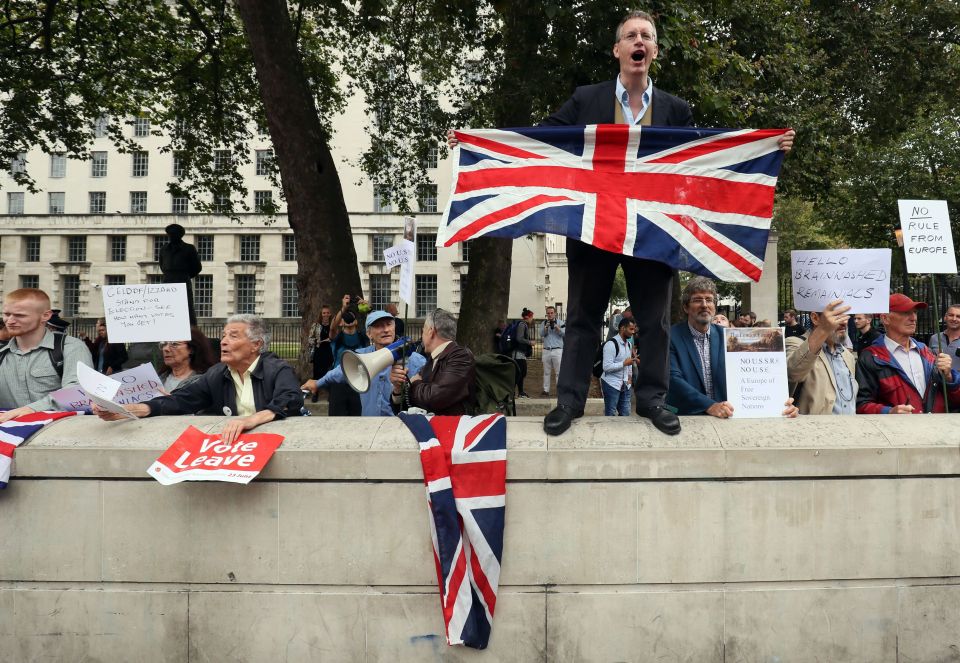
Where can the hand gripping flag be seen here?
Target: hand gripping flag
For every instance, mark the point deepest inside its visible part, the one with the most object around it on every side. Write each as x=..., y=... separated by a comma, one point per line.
x=465, y=469
x=700, y=200
x=15, y=432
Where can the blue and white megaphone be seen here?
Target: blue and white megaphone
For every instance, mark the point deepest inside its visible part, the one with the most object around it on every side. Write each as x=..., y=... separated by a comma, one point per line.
x=359, y=369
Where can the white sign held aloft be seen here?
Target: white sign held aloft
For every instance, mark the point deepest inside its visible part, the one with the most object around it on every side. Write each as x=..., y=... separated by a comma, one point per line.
x=409, y=247
x=860, y=277
x=927, y=240
x=145, y=313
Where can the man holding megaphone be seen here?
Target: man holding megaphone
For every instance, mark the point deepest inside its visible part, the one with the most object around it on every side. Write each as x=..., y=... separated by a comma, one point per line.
x=368, y=369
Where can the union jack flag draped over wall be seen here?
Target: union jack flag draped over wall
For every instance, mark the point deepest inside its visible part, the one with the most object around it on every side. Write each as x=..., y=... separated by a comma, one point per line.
x=696, y=199
x=15, y=432
x=464, y=463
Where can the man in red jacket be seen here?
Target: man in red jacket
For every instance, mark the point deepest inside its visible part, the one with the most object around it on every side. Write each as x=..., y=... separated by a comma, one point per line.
x=900, y=375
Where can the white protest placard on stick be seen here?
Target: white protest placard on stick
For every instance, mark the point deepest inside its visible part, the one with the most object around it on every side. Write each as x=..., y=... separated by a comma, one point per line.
x=144, y=313
x=860, y=277
x=101, y=389
x=927, y=240
x=408, y=247
x=756, y=367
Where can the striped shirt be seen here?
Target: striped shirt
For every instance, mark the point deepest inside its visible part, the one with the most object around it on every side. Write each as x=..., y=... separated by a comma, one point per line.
x=702, y=342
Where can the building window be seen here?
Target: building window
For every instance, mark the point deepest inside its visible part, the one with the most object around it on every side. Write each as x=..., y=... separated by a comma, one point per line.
x=19, y=163
x=56, y=202
x=15, y=202
x=203, y=295
x=159, y=241
x=221, y=161
x=427, y=197
x=465, y=251
x=29, y=281
x=100, y=126
x=249, y=248
x=427, y=246
x=70, y=285
x=382, y=199
x=264, y=162
x=141, y=127
x=98, y=202
x=381, y=242
x=179, y=164
x=246, y=293
x=221, y=203
x=98, y=164
x=138, y=202
x=58, y=165
x=154, y=279
x=118, y=248
x=31, y=248
x=181, y=127
x=77, y=248
x=115, y=279
x=431, y=158
x=379, y=290
x=289, y=296
x=141, y=163
x=204, y=244
x=179, y=204
x=289, y=248
x=263, y=202
x=426, y=285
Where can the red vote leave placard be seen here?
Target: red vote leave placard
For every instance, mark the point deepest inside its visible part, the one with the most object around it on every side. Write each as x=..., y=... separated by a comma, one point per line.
x=199, y=456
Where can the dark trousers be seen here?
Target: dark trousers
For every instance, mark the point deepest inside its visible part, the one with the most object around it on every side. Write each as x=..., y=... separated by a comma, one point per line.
x=649, y=285
x=344, y=401
x=521, y=374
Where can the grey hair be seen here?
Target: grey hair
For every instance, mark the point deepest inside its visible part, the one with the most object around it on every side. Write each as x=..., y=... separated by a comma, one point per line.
x=698, y=284
x=636, y=14
x=256, y=329
x=443, y=322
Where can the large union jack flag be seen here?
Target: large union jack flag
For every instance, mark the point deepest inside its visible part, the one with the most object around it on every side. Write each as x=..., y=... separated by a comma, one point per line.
x=15, y=432
x=464, y=463
x=696, y=199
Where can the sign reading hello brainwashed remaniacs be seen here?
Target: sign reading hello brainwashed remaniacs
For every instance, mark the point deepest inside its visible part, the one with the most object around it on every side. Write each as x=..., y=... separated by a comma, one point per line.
x=199, y=456
x=145, y=313
x=137, y=385
x=860, y=277
x=756, y=368
x=927, y=239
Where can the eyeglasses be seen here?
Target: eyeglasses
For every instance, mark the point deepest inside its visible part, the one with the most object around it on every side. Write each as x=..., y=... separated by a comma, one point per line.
x=697, y=301
x=631, y=37
x=172, y=344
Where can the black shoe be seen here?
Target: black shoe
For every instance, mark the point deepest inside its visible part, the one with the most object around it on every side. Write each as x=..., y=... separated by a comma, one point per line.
x=664, y=420
x=559, y=419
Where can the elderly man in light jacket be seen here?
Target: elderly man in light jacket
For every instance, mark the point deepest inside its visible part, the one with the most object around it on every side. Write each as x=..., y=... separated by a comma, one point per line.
x=820, y=369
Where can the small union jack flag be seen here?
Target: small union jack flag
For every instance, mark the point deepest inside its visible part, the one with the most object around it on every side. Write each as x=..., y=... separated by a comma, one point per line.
x=15, y=432
x=464, y=463
x=700, y=200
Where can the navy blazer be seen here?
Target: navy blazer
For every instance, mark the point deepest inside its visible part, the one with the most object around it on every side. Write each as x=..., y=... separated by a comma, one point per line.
x=594, y=104
x=687, y=392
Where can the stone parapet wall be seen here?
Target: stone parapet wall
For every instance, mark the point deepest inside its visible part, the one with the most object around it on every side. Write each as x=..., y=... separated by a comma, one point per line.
x=822, y=538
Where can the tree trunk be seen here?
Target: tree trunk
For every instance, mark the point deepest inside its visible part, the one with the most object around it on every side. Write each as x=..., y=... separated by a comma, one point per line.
x=487, y=296
x=316, y=211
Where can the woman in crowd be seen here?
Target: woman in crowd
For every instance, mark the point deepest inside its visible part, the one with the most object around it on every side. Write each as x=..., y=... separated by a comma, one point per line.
x=255, y=385
x=185, y=361
x=321, y=352
x=108, y=357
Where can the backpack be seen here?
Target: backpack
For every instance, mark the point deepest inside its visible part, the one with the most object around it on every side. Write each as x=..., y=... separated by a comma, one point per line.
x=56, y=354
x=495, y=383
x=508, y=339
x=598, y=358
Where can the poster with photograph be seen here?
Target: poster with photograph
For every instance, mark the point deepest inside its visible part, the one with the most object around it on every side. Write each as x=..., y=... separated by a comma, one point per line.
x=756, y=371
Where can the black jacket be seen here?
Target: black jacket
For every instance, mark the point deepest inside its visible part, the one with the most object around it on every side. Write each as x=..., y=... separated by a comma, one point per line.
x=275, y=388
x=447, y=387
x=594, y=104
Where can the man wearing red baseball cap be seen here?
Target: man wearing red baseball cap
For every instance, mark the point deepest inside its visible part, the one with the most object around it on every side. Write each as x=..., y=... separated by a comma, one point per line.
x=900, y=375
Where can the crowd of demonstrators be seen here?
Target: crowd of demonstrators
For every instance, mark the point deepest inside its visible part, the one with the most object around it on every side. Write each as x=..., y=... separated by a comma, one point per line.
x=319, y=346
x=375, y=402
x=446, y=383
x=35, y=361
x=250, y=383
x=552, y=333
x=948, y=340
x=820, y=367
x=108, y=358
x=184, y=362
x=616, y=379
x=898, y=374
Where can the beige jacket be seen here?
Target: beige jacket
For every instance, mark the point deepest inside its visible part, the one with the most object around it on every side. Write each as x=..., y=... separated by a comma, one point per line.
x=812, y=384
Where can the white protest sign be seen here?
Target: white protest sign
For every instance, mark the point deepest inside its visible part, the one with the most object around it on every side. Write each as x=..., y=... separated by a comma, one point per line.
x=927, y=240
x=756, y=368
x=860, y=277
x=137, y=385
x=101, y=389
x=409, y=244
x=399, y=254
x=71, y=398
x=144, y=313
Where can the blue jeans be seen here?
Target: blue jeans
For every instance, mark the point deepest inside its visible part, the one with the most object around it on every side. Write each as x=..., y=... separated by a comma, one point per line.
x=615, y=401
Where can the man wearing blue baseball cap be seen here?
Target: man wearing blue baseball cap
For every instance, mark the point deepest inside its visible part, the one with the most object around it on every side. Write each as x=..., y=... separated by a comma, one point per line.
x=375, y=402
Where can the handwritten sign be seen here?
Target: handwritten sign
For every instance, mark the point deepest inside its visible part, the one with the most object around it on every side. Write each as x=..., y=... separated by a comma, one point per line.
x=408, y=245
x=100, y=389
x=927, y=239
x=137, y=385
x=401, y=253
x=756, y=366
x=860, y=277
x=72, y=398
x=199, y=456
x=144, y=313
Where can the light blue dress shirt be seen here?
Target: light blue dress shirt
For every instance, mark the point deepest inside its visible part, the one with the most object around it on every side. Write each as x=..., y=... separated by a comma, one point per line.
x=375, y=402
x=624, y=98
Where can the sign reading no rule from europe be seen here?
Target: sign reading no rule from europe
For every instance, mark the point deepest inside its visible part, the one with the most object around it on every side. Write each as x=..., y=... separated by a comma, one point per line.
x=927, y=240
